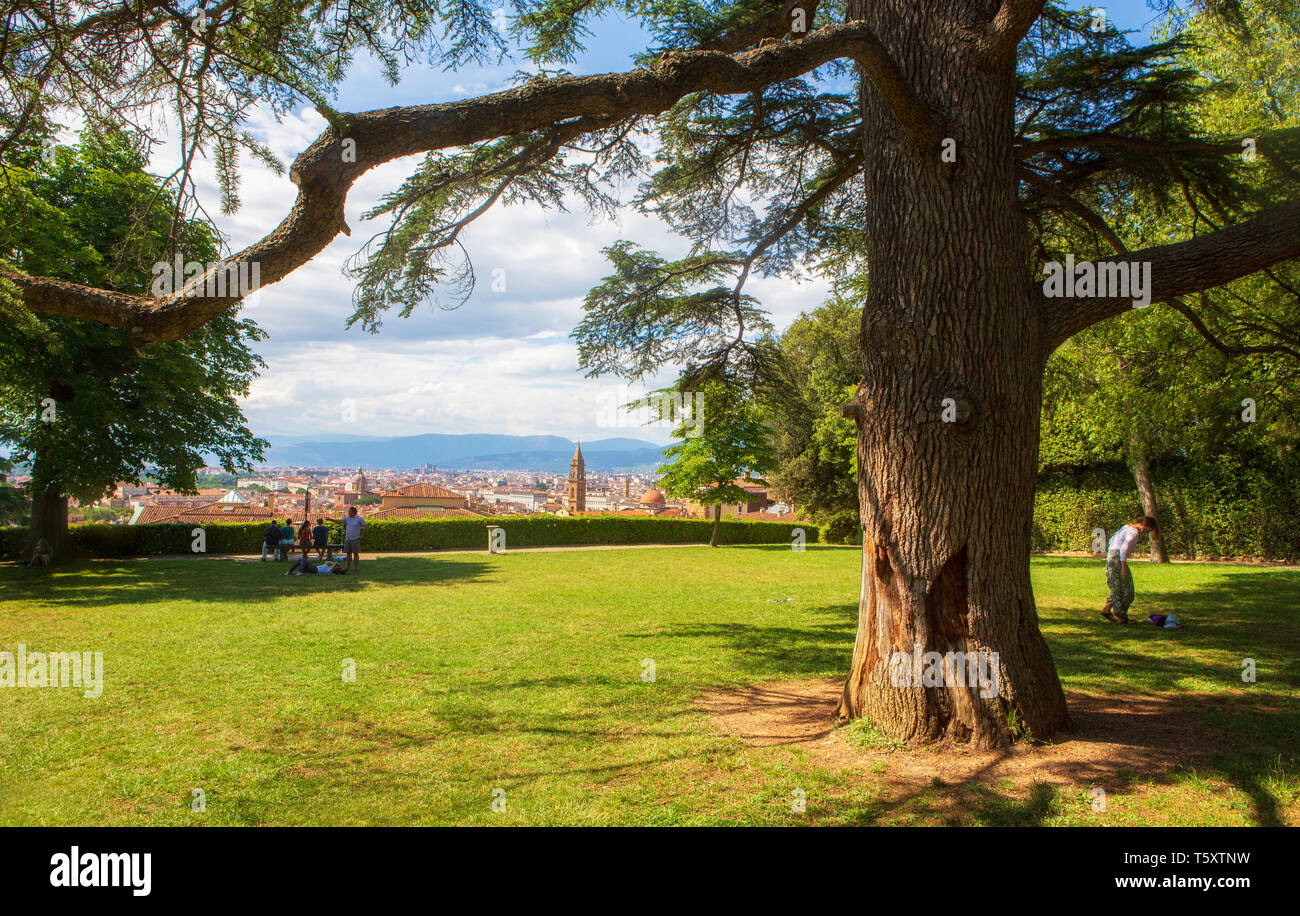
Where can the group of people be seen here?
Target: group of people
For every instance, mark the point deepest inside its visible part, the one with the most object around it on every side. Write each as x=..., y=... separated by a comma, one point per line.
x=278, y=539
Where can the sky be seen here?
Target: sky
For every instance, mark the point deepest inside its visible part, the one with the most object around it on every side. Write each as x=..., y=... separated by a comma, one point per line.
x=501, y=363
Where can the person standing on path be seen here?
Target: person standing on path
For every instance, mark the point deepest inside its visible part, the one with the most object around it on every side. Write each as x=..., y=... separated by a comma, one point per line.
x=353, y=525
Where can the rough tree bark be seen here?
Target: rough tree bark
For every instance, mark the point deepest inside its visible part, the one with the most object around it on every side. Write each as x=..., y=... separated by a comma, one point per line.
x=717, y=523
x=49, y=521
x=949, y=404
x=1147, y=493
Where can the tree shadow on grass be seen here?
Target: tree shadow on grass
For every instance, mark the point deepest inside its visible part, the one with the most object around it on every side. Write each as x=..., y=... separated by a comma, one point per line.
x=819, y=648
x=1113, y=748
x=134, y=582
x=1192, y=744
x=971, y=801
x=1123, y=746
x=1243, y=617
x=1248, y=729
x=1000, y=810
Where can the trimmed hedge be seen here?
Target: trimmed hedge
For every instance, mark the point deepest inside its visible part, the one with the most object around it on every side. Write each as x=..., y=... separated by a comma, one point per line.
x=1206, y=510
x=1225, y=509
x=422, y=534
x=11, y=542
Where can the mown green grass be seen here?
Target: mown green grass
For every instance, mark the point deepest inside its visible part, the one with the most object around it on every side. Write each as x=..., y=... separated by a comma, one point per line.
x=525, y=672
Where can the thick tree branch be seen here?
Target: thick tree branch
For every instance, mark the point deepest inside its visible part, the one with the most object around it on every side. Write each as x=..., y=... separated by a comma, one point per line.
x=1010, y=24
x=1187, y=267
x=775, y=24
x=57, y=297
x=1267, y=143
x=323, y=176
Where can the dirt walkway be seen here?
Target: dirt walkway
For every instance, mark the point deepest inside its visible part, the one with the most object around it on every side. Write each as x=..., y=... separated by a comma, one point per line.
x=1110, y=740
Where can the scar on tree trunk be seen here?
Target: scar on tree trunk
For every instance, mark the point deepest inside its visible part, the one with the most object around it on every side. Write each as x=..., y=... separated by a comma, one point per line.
x=909, y=711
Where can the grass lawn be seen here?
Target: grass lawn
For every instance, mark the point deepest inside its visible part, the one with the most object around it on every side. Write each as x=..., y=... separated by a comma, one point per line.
x=526, y=672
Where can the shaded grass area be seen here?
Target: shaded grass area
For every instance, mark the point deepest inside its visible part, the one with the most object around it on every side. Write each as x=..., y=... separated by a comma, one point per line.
x=568, y=680
x=1235, y=619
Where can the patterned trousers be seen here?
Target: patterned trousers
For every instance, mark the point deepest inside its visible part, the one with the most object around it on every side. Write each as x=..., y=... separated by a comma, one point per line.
x=1121, y=586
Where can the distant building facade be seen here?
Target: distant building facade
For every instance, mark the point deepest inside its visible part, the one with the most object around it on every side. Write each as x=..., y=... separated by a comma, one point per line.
x=575, y=497
x=422, y=496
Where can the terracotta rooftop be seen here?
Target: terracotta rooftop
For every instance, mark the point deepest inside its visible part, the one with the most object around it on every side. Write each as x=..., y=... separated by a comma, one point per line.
x=423, y=489
x=203, y=515
x=419, y=513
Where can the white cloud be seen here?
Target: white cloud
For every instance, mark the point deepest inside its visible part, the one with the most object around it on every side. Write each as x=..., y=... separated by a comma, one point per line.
x=501, y=363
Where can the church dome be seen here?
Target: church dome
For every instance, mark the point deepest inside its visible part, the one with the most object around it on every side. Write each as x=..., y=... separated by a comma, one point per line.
x=652, y=497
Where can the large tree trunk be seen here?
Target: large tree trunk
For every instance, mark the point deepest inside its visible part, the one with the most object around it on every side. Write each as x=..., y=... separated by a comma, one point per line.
x=947, y=506
x=49, y=521
x=717, y=523
x=1147, y=493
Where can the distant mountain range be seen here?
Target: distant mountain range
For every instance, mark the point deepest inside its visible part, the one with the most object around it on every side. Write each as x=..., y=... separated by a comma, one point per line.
x=506, y=453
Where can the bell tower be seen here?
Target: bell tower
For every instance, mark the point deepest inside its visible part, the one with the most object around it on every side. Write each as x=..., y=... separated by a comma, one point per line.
x=575, y=498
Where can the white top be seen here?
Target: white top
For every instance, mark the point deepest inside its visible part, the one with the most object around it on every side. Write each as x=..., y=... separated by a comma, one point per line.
x=353, y=525
x=324, y=571
x=1123, y=540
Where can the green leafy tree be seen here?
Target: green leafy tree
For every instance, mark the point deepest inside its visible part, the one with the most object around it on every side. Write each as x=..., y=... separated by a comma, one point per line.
x=818, y=372
x=77, y=400
x=1151, y=390
x=732, y=440
x=1176, y=382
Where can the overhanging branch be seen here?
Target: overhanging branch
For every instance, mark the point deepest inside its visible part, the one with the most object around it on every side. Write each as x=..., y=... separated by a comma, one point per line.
x=323, y=176
x=1269, y=142
x=1188, y=267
